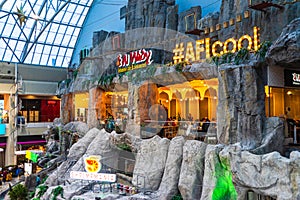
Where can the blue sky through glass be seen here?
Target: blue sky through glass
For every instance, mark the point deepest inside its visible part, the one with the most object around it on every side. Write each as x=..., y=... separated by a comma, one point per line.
x=47, y=36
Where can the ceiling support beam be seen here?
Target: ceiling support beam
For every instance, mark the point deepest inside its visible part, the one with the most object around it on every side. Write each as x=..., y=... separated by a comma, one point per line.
x=44, y=28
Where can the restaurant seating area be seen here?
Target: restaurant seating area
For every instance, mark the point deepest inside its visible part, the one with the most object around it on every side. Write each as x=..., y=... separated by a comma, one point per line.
x=194, y=130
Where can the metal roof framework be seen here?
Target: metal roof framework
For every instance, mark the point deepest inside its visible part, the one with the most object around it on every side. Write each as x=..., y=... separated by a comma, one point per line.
x=41, y=32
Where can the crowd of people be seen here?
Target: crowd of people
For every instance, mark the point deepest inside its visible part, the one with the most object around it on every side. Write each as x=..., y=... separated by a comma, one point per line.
x=10, y=172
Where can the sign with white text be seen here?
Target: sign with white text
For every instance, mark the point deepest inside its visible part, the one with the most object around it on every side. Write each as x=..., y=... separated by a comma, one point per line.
x=134, y=60
x=292, y=78
x=103, y=177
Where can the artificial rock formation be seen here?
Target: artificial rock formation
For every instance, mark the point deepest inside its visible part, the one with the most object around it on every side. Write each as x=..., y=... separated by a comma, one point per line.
x=147, y=13
x=150, y=163
x=286, y=49
x=169, y=184
x=273, y=137
x=192, y=168
x=275, y=176
x=241, y=106
x=211, y=163
x=273, y=19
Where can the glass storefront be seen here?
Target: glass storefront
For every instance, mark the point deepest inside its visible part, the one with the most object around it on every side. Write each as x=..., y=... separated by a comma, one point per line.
x=81, y=106
x=116, y=110
x=190, y=101
x=40, y=110
x=280, y=101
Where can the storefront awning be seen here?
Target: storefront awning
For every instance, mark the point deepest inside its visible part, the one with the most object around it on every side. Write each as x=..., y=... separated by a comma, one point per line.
x=30, y=139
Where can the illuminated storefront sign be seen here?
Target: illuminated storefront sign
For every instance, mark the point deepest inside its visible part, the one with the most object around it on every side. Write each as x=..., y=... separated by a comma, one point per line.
x=92, y=164
x=203, y=49
x=291, y=78
x=93, y=176
x=134, y=60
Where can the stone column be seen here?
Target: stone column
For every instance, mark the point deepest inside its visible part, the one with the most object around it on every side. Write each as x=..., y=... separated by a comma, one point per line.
x=140, y=100
x=241, y=108
x=67, y=108
x=96, y=106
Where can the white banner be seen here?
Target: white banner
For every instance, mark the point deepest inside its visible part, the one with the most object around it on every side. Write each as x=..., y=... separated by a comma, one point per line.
x=104, y=177
x=28, y=169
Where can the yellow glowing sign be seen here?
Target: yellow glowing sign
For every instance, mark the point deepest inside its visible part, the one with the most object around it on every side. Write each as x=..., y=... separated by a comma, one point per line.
x=92, y=164
x=204, y=49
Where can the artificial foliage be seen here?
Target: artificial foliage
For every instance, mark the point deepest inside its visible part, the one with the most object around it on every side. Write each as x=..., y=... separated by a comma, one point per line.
x=124, y=147
x=18, y=192
x=262, y=50
x=57, y=191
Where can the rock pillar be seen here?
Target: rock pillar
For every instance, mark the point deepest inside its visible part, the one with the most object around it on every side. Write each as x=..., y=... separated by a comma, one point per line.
x=96, y=106
x=140, y=100
x=241, y=108
x=67, y=106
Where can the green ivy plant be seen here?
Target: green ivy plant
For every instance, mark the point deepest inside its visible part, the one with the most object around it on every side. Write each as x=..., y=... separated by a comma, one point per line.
x=241, y=56
x=177, y=197
x=124, y=146
x=57, y=191
x=179, y=66
x=227, y=58
x=150, y=70
x=18, y=192
x=262, y=50
x=42, y=190
x=215, y=59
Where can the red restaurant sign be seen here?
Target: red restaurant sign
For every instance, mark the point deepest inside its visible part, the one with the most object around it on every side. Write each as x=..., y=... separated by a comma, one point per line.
x=134, y=60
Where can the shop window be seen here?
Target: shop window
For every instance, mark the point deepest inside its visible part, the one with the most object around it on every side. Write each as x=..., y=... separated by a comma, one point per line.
x=81, y=106
x=116, y=42
x=277, y=100
x=84, y=53
x=190, y=22
x=31, y=109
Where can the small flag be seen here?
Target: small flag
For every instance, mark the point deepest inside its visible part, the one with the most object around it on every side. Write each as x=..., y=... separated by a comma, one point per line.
x=32, y=156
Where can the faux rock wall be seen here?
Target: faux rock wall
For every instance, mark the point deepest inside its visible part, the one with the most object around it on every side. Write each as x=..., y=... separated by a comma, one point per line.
x=97, y=107
x=67, y=108
x=197, y=170
x=286, y=49
x=241, y=106
x=144, y=13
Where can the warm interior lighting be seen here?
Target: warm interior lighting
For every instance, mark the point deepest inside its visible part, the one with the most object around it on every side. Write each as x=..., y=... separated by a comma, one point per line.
x=167, y=100
x=289, y=92
x=267, y=91
x=51, y=102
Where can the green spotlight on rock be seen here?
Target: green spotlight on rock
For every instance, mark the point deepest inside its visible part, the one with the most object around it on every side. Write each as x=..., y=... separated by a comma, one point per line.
x=224, y=189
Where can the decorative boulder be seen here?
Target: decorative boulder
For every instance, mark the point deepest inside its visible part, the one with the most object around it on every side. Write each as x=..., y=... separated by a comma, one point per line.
x=150, y=163
x=191, y=174
x=286, y=49
x=169, y=184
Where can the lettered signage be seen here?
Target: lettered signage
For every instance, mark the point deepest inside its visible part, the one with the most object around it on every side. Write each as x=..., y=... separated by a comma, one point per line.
x=105, y=177
x=134, y=60
x=204, y=49
x=292, y=78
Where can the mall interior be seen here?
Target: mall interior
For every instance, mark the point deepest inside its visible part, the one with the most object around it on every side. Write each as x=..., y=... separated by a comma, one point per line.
x=51, y=56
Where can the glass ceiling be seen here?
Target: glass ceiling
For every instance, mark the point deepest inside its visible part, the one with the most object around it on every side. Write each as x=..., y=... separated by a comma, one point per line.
x=41, y=32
